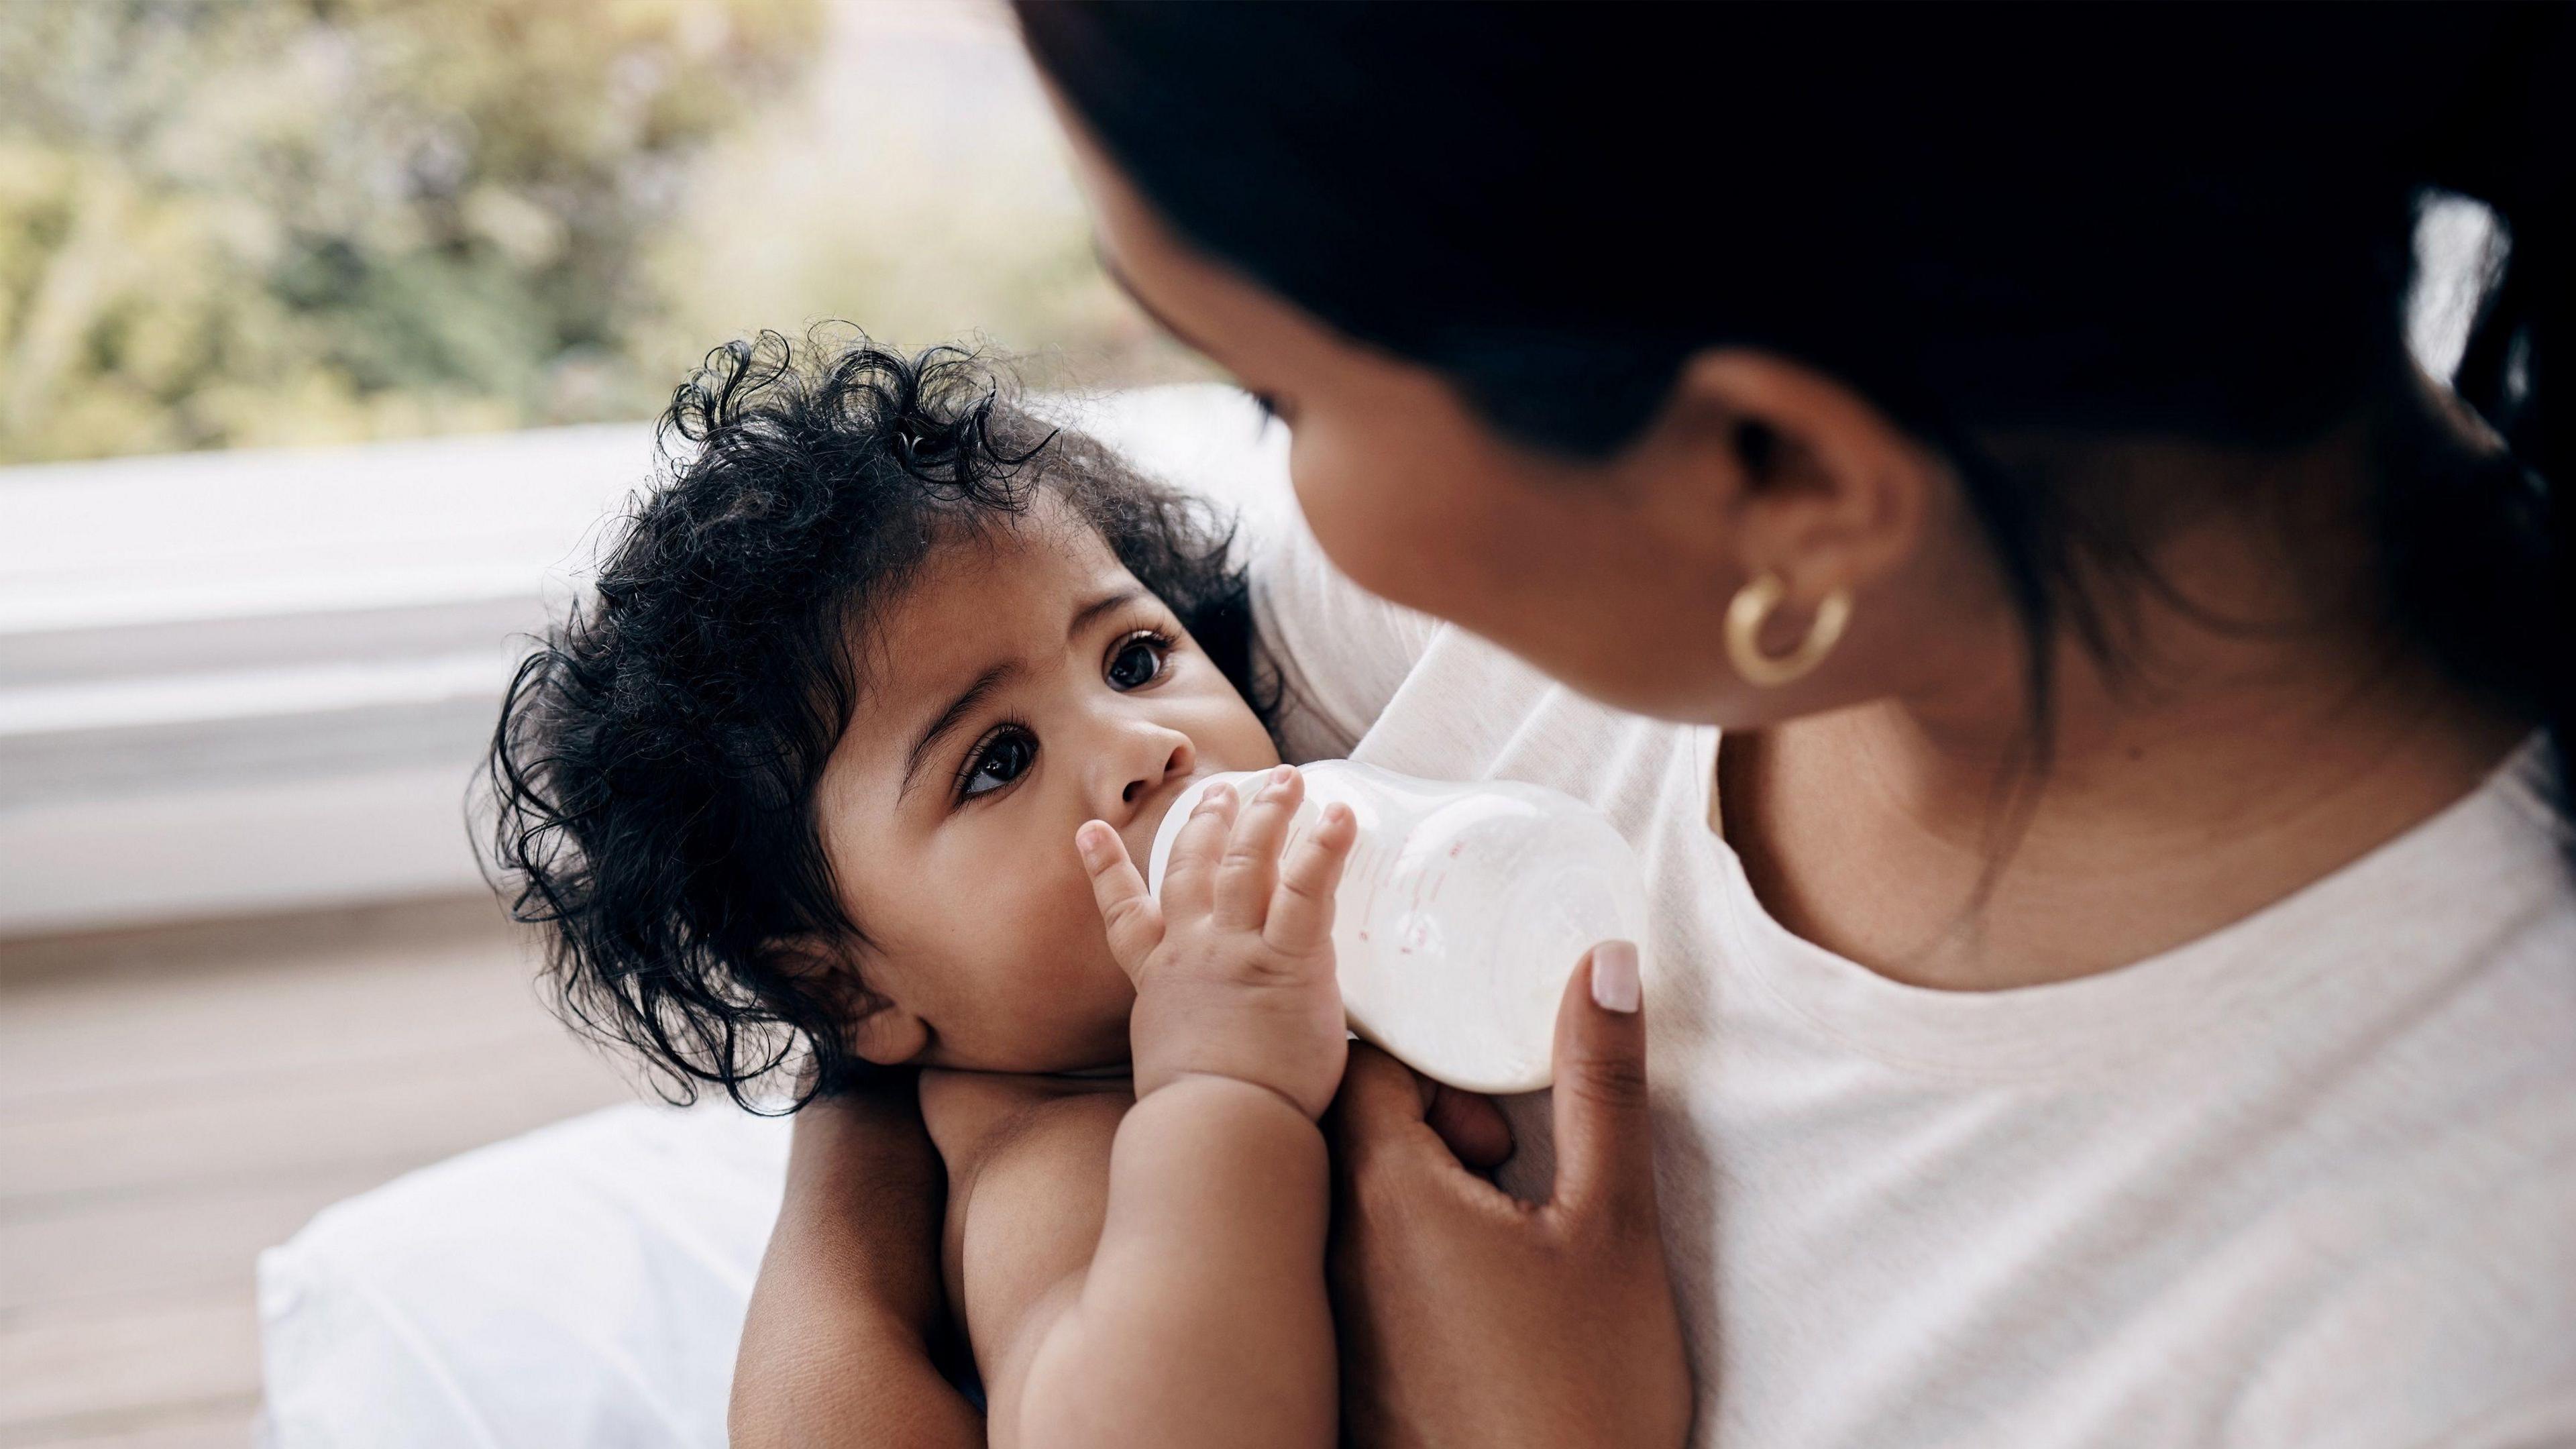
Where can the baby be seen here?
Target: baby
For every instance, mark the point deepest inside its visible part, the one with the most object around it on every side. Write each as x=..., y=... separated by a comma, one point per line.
x=886, y=688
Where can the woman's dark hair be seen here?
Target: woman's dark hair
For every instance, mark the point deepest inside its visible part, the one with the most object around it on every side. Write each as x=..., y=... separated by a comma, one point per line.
x=2069, y=222
x=652, y=779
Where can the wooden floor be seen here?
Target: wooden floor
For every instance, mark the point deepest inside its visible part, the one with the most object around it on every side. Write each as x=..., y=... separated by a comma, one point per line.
x=173, y=1101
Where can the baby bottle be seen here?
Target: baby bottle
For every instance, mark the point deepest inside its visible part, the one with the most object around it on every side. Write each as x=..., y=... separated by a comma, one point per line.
x=1463, y=908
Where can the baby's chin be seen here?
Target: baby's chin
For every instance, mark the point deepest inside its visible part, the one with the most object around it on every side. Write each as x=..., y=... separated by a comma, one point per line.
x=1073, y=1020
x=1099, y=1051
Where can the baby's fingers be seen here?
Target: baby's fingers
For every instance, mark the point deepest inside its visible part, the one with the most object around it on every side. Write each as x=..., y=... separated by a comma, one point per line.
x=1189, y=872
x=1127, y=909
x=1301, y=913
x=1250, y=868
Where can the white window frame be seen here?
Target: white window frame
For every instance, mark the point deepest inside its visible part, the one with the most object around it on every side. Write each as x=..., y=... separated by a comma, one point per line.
x=262, y=680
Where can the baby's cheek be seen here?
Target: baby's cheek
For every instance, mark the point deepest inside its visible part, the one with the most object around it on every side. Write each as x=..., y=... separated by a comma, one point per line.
x=1074, y=945
x=1086, y=995
x=1033, y=988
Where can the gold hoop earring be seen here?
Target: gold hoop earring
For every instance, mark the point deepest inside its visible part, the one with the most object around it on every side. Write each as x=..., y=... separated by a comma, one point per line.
x=1751, y=609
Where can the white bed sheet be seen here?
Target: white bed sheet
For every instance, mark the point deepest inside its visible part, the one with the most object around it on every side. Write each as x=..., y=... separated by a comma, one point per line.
x=580, y=1286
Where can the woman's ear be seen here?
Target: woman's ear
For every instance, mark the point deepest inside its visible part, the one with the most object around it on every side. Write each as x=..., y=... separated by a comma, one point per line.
x=1818, y=485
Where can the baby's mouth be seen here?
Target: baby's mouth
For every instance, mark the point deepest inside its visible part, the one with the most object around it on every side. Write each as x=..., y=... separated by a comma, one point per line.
x=1143, y=826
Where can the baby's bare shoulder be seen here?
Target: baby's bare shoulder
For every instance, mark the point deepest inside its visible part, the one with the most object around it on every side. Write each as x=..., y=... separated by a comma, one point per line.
x=1028, y=1187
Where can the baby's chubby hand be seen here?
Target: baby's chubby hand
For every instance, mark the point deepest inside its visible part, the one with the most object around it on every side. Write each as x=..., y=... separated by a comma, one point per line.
x=1234, y=965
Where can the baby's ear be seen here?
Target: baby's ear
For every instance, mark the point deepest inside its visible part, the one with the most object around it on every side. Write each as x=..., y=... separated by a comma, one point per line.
x=879, y=1029
x=887, y=1034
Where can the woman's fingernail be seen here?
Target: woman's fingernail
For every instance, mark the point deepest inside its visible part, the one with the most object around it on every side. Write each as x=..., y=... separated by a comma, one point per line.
x=1614, y=977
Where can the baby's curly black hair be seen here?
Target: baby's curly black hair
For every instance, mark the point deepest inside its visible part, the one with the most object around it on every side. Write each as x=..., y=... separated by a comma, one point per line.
x=651, y=783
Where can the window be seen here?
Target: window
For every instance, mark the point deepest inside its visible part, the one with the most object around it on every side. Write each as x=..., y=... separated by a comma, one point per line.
x=279, y=222
x=331, y=331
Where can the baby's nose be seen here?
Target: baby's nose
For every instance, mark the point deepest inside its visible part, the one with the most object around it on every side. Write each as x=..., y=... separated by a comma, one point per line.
x=1147, y=803
x=1175, y=762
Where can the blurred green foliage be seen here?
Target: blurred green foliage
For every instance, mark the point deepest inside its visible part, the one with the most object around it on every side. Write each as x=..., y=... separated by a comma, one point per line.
x=240, y=222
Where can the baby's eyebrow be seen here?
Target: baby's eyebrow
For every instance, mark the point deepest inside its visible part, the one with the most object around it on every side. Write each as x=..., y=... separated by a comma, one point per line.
x=1083, y=616
x=948, y=720
x=991, y=679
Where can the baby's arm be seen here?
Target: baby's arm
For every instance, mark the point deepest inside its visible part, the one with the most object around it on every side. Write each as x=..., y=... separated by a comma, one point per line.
x=1195, y=1313
x=1200, y=1316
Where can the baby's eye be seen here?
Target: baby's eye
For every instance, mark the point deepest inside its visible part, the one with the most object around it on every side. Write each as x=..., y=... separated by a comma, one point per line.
x=997, y=762
x=1137, y=661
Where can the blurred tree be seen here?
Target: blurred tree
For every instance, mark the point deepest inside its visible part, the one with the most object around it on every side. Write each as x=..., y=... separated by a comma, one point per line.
x=229, y=222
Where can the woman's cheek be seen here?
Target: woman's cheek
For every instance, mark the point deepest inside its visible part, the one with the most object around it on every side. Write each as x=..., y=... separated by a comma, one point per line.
x=1357, y=517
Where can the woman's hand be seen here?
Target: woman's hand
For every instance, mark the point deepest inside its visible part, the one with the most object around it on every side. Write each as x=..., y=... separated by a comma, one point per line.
x=1234, y=965
x=838, y=1345
x=1468, y=1317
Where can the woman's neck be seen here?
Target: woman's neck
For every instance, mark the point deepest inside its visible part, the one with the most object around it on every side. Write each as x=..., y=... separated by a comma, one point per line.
x=2226, y=767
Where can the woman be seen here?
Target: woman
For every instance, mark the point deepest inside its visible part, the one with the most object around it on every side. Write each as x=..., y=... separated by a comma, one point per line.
x=2118, y=977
